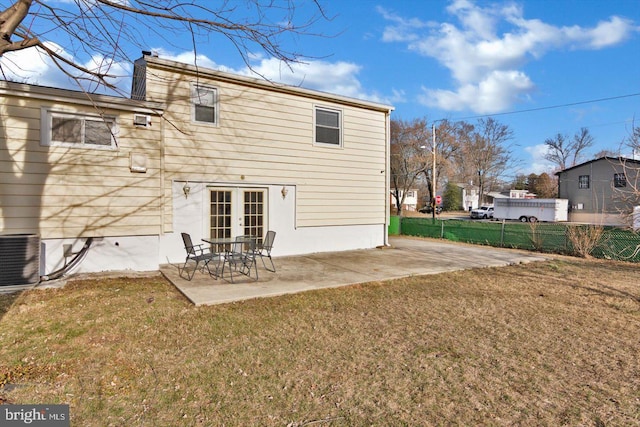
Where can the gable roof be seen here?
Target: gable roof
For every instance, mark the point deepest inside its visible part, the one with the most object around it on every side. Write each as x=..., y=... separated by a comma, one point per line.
x=78, y=97
x=618, y=160
x=157, y=62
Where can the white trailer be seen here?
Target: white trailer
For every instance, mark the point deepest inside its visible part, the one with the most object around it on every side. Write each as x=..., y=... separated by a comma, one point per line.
x=531, y=210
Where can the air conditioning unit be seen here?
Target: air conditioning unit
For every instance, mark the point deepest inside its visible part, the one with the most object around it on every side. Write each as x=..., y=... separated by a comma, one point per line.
x=141, y=120
x=19, y=259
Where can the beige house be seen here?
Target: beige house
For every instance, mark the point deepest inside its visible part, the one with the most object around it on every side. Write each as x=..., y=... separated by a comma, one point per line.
x=194, y=150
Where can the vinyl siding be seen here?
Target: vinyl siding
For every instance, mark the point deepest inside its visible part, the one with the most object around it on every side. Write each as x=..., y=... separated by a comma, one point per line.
x=265, y=136
x=602, y=197
x=62, y=192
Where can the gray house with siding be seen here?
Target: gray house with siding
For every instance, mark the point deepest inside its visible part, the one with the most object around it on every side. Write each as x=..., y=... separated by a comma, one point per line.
x=602, y=191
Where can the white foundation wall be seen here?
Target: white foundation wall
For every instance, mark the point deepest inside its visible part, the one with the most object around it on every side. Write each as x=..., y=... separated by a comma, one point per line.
x=147, y=253
x=191, y=216
x=136, y=253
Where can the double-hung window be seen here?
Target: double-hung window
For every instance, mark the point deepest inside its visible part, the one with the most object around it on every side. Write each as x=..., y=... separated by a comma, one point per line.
x=78, y=130
x=328, y=126
x=583, y=181
x=619, y=180
x=204, y=101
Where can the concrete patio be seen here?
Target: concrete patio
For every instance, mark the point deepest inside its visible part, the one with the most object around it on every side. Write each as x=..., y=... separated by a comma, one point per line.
x=405, y=257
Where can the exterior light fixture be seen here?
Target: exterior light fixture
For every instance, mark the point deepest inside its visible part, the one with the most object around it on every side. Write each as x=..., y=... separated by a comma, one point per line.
x=186, y=190
x=284, y=192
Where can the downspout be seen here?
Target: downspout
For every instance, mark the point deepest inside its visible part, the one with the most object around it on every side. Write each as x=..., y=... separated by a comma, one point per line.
x=162, y=189
x=387, y=176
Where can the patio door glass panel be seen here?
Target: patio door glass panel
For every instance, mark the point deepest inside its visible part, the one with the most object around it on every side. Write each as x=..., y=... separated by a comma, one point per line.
x=254, y=213
x=237, y=211
x=221, y=214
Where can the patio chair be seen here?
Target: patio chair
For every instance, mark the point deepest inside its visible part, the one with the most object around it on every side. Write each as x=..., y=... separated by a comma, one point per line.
x=198, y=254
x=264, y=250
x=241, y=257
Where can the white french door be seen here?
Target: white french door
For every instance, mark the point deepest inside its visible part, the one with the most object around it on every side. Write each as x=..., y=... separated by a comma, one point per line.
x=237, y=211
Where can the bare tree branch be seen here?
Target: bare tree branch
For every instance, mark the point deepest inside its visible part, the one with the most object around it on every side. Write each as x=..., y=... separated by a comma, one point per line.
x=408, y=160
x=565, y=153
x=111, y=28
x=10, y=20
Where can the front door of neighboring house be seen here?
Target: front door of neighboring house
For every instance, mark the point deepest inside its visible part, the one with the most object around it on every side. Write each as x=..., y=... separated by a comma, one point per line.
x=237, y=211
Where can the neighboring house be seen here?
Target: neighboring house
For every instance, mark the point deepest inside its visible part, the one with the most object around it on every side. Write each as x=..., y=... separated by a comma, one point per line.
x=195, y=150
x=601, y=191
x=410, y=201
x=469, y=196
x=492, y=195
x=520, y=194
x=511, y=194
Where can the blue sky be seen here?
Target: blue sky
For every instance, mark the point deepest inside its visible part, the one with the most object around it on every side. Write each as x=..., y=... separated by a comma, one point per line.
x=457, y=59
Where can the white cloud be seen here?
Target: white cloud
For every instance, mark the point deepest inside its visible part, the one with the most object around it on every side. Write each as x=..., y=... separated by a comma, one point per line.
x=478, y=21
x=497, y=92
x=341, y=77
x=403, y=30
x=120, y=72
x=538, y=164
x=607, y=33
x=191, y=58
x=487, y=46
x=34, y=66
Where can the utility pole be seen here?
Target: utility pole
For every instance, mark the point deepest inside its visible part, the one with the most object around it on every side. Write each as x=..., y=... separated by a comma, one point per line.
x=480, y=189
x=433, y=173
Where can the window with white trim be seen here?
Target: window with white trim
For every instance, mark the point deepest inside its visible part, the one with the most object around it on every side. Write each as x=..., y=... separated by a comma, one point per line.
x=204, y=101
x=78, y=130
x=328, y=126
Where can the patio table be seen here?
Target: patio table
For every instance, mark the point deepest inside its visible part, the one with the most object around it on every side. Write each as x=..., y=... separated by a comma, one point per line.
x=224, y=247
x=220, y=246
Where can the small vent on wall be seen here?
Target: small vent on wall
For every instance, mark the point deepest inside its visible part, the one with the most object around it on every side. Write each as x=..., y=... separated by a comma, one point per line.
x=138, y=162
x=19, y=259
x=141, y=120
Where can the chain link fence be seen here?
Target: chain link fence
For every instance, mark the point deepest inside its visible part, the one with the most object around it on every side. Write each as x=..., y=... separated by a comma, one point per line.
x=599, y=242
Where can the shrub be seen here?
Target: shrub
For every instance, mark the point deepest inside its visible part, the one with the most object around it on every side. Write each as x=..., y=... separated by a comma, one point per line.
x=584, y=239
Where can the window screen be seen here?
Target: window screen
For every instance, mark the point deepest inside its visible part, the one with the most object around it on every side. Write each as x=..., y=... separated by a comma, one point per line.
x=328, y=126
x=69, y=129
x=204, y=104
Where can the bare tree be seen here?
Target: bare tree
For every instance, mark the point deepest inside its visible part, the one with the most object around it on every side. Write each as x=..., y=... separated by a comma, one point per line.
x=102, y=28
x=633, y=141
x=627, y=190
x=606, y=153
x=446, y=147
x=565, y=152
x=408, y=157
x=484, y=153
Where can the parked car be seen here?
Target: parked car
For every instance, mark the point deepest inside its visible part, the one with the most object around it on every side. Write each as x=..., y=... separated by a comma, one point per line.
x=483, y=212
x=427, y=209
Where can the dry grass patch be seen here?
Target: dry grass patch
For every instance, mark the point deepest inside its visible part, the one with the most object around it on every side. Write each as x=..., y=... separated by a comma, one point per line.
x=546, y=344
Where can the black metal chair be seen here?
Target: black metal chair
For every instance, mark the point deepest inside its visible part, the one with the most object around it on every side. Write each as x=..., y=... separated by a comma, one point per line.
x=241, y=257
x=263, y=250
x=198, y=254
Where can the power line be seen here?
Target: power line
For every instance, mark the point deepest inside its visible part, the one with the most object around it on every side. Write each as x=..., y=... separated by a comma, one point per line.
x=550, y=107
